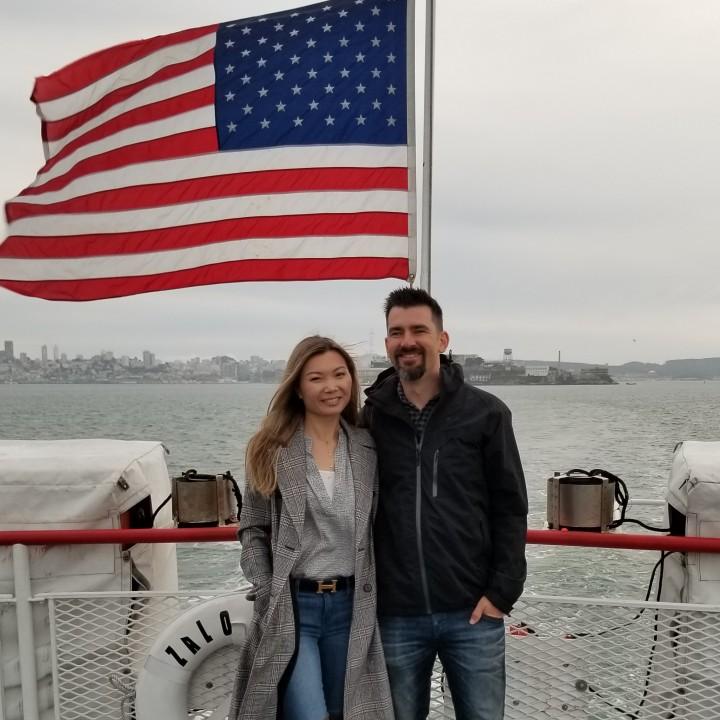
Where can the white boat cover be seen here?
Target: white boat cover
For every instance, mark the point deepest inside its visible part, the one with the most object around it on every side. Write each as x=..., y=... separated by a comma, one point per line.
x=77, y=484
x=685, y=655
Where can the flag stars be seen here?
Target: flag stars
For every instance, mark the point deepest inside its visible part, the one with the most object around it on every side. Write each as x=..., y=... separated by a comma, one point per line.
x=344, y=42
x=375, y=11
x=279, y=75
x=232, y=127
x=296, y=89
x=360, y=119
x=281, y=106
x=376, y=104
x=245, y=30
x=247, y=109
x=229, y=96
x=375, y=73
x=344, y=73
x=327, y=7
x=360, y=57
x=330, y=120
x=391, y=27
x=264, y=123
x=262, y=92
x=311, y=43
x=359, y=26
x=294, y=60
x=245, y=79
x=343, y=13
x=375, y=42
x=229, y=44
x=262, y=40
x=298, y=121
x=313, y=105
x=329, y=88
x=391, y=58
x=391, y=89
x=327, y=27
x=310, y=19
x=360, y=89
x=277, y=47
x=229, y=69
x=327, y=57
x=245, y=52
x=294, y=33
x=345, y=104
x=391, y=121
x=262, y=62
x=312, y=73
x=279, y=27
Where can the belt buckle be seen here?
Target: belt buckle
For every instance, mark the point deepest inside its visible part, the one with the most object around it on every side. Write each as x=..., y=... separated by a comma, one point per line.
x=324, y=586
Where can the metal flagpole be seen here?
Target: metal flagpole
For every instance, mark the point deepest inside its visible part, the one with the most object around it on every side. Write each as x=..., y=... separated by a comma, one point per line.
x=424, y=281
x=411, y=146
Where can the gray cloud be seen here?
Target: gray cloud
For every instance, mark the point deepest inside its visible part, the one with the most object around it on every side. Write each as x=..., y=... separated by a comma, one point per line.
x=576, y=188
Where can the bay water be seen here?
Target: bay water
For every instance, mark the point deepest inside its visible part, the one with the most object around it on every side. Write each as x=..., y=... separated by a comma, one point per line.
x=627, y=429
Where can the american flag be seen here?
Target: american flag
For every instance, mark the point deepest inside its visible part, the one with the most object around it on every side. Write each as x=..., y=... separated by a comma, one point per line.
x=270, y=148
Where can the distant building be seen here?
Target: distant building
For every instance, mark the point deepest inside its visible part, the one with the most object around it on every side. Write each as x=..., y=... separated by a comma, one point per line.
x=44, y=354
x=56, y=353
x=595, y=372
x=537, y=370
x=148, y=359
x=9, y=351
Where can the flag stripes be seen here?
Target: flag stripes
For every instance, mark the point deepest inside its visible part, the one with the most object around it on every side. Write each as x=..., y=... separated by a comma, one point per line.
x=145, y=188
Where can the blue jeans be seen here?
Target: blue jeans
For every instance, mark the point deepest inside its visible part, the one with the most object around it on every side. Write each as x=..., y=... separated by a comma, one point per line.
x=316, y=686
x=473, y=657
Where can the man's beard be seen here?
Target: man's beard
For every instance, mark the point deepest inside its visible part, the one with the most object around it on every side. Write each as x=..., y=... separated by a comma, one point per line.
x=410, y=374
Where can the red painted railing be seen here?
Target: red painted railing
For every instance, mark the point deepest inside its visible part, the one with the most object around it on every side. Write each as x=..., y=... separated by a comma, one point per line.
x=216, y=534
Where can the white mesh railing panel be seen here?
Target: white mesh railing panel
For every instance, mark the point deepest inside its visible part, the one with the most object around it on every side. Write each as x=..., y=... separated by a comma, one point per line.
x=101, y=644
x=574, y=658
x=596, y=662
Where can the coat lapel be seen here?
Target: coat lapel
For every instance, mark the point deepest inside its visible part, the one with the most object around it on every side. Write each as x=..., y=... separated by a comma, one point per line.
x=292, y=478
x=362, y=462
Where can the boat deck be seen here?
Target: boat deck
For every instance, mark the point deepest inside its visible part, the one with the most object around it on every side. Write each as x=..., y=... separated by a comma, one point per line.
x=568, y=656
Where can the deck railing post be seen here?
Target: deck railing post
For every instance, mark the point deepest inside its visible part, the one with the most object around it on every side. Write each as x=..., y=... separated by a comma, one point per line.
x=25, y=630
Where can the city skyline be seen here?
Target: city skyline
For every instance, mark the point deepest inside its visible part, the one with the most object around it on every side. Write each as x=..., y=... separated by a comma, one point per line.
x=144, y=355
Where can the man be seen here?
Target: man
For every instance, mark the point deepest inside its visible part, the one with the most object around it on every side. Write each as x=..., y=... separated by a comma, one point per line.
x=451, y=520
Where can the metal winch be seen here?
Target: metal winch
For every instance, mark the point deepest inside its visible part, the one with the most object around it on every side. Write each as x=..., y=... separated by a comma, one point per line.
x=200, y=500
x=580, y=500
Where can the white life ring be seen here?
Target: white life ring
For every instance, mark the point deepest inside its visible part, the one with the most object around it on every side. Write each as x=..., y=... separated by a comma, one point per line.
x=163, y=682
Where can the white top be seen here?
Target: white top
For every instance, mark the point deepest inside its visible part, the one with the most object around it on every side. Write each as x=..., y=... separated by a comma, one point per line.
x=328, y=478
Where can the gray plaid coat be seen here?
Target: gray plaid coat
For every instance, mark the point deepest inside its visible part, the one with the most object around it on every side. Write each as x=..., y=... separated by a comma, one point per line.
x=270, y=532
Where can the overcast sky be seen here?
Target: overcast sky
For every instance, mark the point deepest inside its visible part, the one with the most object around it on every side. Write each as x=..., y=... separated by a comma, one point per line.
x=576, y=187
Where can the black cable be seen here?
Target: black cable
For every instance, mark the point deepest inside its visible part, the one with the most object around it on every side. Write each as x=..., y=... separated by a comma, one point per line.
x=159, y=508
x=236, y=491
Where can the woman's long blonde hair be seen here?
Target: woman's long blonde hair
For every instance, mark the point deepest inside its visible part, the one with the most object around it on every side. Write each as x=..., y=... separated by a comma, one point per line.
x=286, y=411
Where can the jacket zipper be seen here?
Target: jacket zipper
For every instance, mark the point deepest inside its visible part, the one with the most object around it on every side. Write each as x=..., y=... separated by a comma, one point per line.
x=418, y=517
x=436, y=460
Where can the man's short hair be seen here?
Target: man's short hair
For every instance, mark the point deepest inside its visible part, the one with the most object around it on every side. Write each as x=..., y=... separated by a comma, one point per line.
x=407, y=297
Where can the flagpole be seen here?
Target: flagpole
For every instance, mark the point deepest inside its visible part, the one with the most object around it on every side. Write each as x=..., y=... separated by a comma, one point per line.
x=425, y=247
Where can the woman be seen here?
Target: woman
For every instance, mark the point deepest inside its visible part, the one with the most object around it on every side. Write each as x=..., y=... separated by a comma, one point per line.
x=313, y=648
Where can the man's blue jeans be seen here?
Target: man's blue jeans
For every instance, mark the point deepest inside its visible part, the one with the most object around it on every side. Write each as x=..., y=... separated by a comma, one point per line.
x=473, y=657
x=316, y=687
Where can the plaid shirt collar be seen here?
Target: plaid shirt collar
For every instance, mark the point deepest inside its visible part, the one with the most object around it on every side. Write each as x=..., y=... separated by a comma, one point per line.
x=418, y=417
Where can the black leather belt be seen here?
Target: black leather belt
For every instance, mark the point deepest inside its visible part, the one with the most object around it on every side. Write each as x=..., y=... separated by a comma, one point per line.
x=323, y=586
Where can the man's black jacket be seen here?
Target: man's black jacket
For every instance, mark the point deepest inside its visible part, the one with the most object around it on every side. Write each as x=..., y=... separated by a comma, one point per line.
x=452, y=510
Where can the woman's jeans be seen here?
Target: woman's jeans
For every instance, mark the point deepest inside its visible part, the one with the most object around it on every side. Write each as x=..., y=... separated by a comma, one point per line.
x=473, y=657
x=316, y=686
